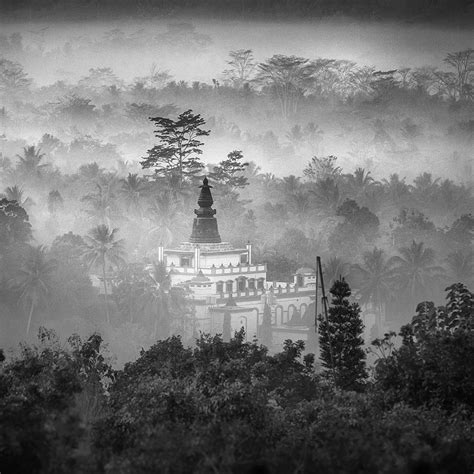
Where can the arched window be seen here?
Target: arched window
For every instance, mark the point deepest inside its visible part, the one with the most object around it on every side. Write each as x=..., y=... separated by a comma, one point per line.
x=229, y=286
x=251, y=284
x=241, y=284
x=260, y=284
x=220, y=287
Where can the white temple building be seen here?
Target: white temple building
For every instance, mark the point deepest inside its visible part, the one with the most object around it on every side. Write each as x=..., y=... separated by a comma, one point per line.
x=214, y=272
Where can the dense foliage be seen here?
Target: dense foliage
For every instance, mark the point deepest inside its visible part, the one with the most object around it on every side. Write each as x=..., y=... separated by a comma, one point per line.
x=430, y=367
x=341, y=343
x=231, y=407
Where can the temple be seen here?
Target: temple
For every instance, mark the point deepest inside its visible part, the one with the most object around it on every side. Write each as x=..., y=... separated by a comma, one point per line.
x=226, y=282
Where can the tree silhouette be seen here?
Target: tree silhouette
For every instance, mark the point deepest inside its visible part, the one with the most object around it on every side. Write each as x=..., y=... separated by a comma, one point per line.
x=29, y=163
x=415, y=270
x=179, y=148
x=55, y=201
x=289, y=77
x=156, y=299
x=334, y=269
x=242, y=65
x=326, y=194
x=463, y=64
x=164, y=217
x=15, y=193
x=230, y=172
x=461, y=266
x=341, y=344
x=14, y=224
x=34, y=280
x=375, y=280
x=103, y=250
x=102, y=203
x=132, y=189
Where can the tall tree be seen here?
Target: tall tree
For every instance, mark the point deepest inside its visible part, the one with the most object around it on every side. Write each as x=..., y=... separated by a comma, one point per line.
x=415, y=270
x=335, y=269
x=103, y=250
x=289, y=77
x=463, y=64
x=15, y=193
x=340, y=340
x=179, y=148
x=375, y=280
x=132, y=189
x=29, y=163
x=230, y=172
x=14, y=224
x=461, y=266
x=34, y=280
x=156, y=300
x=242, y=65
x=102, y=204
x=13, y=79
x=322, y=168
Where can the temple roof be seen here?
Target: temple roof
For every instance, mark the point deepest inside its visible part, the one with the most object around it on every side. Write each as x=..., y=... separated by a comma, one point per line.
x=205, y=224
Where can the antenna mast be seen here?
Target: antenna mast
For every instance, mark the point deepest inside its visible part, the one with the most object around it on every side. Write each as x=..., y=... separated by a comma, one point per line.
x=319, y=271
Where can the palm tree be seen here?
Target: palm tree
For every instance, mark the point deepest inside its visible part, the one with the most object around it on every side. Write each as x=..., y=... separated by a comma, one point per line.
x=157, y=299
x=132, y=188
x=396, y=188
x=461, y=266
x=34, y=280
x=30, y=162
x=15, y=193
x=415, y=270
x=164, y=217
x=326, y=193
x=360, y=180
x=334, y=269
x=103, y=250
x=102, y=204
x=375, y=279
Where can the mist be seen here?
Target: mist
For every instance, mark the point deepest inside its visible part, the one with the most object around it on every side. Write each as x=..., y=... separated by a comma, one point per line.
x=228, y=227
x=86, y=88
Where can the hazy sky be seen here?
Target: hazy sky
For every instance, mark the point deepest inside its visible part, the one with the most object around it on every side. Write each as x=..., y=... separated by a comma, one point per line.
x=381, y=44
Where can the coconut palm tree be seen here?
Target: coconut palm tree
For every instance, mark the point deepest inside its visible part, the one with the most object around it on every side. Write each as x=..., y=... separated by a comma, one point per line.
x=326, y=194
x=34, y=280
x=15, y=193
x=131, y=189
x=415, y=271
x=102, y=205
x=396, y=189
x=334, y=269
x=375, y=280
x=361, y=185
x=164, y=216
x=158, y=299
x=461, y=266
x=103, y=250
x=29, y=163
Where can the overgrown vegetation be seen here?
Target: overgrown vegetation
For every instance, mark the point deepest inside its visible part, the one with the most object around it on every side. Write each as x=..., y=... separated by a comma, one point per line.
x=232, y=407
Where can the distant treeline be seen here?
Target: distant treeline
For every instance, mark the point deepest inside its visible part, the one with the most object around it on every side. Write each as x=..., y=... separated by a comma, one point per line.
x=239, y=8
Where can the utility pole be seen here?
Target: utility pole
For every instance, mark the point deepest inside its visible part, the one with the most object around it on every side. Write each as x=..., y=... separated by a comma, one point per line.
x=325, y=307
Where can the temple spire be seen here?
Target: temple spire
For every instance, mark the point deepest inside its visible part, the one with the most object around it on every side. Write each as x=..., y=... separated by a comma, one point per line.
x=205, y=224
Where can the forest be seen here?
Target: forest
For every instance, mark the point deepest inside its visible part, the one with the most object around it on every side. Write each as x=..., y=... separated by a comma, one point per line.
x=104, y=367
